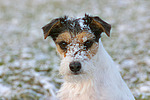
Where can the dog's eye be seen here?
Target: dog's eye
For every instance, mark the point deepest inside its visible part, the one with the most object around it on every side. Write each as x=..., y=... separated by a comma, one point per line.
x=63, y=45
x=88, y=44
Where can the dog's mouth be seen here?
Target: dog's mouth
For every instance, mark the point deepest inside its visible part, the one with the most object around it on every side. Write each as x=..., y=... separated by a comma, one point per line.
x=75, y=73
x=76, y=77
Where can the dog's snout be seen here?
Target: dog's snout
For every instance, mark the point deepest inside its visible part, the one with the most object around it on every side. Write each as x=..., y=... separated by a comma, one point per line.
x=75, y=66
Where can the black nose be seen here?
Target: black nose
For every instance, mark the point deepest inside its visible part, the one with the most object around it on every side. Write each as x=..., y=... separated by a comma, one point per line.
x=75, y=66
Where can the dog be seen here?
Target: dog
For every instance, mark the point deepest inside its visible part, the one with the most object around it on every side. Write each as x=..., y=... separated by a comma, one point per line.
x=88, y=70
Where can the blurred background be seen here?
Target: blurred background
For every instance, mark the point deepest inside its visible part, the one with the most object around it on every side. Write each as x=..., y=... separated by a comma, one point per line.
x=29, y=64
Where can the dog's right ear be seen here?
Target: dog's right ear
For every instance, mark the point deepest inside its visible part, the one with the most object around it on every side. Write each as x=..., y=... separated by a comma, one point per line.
x=97, y=25
x=47, y=29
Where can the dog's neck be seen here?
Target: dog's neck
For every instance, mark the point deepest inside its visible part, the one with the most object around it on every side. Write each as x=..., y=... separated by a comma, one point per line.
x=106, y=84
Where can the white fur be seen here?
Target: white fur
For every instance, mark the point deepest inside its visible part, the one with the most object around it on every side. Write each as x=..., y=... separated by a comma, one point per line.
x=99, y=79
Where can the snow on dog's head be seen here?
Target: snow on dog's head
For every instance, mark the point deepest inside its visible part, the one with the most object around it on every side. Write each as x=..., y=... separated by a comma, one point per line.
x=77, y=43
x=77, y=64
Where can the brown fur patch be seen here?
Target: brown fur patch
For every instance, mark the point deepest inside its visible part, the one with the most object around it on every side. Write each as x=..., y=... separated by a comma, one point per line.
x=82, y=37
x=64, y=37
x=78, y=39
x=59, y=50
x=92, y=51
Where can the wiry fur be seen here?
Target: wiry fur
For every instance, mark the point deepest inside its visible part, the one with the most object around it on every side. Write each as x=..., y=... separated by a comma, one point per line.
x=98, y=77
x=101, y=80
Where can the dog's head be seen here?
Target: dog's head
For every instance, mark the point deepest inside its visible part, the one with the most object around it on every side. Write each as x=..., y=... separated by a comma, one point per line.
x=77, y=42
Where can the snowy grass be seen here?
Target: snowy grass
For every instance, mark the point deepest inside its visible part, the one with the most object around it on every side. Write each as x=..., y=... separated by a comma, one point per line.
x=29, y=64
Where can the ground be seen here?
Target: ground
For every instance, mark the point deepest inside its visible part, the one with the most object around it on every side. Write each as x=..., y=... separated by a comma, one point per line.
x=29, y=64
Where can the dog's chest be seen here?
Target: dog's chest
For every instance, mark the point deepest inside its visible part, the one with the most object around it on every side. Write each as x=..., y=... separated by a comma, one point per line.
x=93, y=91
x=82, y=91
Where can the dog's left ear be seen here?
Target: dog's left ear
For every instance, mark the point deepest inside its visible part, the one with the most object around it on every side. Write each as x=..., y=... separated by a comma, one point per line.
x=97, y=25
x=48, y=28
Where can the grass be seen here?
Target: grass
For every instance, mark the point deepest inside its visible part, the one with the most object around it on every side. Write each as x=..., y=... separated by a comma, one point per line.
x=29, y=64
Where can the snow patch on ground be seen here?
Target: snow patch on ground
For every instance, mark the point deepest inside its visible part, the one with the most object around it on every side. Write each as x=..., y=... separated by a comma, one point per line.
x=4, y=90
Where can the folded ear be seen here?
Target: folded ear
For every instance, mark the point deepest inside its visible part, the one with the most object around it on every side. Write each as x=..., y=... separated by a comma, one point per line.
x=97, y=25
x=47, y=29
x=102, y=24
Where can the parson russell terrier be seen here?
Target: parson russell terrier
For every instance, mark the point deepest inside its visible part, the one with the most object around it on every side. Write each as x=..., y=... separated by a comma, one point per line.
x=89, y=72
